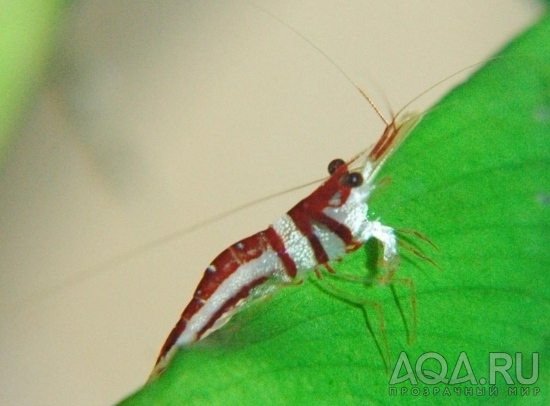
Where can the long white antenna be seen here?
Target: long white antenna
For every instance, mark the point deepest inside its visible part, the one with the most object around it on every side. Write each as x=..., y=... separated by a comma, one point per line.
x=328, y=58
x=113, y=262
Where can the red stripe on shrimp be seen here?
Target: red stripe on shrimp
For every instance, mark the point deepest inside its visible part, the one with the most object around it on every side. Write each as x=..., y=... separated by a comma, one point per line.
x=231, y=303
x=279, y=247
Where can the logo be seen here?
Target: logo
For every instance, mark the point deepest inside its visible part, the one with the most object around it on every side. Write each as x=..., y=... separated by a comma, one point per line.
x=433, y=374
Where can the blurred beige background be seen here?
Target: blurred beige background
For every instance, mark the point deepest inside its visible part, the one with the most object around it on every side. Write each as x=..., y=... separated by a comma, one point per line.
x=158, y=115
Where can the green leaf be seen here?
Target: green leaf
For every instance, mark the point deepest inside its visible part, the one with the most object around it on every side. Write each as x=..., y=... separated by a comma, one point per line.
x=27, y=32
x=474, y=176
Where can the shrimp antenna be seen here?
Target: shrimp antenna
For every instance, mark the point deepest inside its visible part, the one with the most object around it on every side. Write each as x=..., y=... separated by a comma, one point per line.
x=352, y=82
x=429, y=89
x=328, y=58
x=113, y=262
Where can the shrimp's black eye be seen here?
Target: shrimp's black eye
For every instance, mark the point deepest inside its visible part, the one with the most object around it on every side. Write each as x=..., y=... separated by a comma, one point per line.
x=335, y=164
x=352, y=179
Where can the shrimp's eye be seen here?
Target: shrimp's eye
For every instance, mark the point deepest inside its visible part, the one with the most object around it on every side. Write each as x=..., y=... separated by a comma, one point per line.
x=335, y=164
x=352, y=179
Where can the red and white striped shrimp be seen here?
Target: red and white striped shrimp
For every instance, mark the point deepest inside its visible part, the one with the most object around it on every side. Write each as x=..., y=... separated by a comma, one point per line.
x=330, y=222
